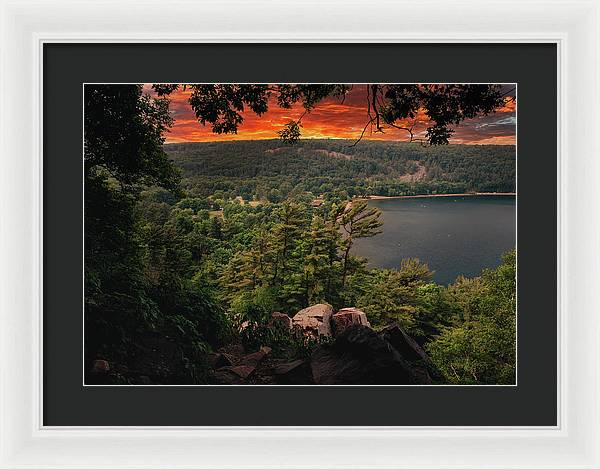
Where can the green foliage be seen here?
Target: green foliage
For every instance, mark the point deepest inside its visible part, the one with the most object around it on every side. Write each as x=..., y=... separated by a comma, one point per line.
x=124, y=135
x=406, y=296
x=468, y=328
x=357, y=220
x=480, y=347
x=142, y=309
x=299, y=252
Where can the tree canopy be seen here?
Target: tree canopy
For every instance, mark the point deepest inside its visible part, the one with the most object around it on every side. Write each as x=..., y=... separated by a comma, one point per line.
x=123, y=136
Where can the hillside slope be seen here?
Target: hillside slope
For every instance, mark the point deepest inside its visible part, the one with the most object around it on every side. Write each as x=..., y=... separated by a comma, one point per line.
x=371, y=167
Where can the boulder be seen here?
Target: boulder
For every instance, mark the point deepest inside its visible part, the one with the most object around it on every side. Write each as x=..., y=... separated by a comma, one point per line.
x=347, y=317
x=315, y=320
x=282, y=320
x=360, y=356
x=100, y=372
x=404, y=344
x=100, y=366
x=243, y=369
x=293, y=372
x=219, y=360
x=256, y=357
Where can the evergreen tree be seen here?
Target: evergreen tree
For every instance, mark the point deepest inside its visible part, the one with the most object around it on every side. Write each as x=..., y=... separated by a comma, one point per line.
x=357, y=220
x=290, y=218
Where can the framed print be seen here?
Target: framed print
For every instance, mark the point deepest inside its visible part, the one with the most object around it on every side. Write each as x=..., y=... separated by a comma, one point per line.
x=262, y=257
x=223, y=234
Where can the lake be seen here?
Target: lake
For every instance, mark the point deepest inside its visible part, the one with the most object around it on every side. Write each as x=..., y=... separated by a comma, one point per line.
x=453, y=235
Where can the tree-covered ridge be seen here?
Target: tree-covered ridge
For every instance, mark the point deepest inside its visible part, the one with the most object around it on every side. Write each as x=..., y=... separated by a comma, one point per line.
x=252, y=169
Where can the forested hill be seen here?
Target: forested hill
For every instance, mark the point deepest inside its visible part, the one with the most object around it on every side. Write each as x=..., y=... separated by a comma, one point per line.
x=254, y=168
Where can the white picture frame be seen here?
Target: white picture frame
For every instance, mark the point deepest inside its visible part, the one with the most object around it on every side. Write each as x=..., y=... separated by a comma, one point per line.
x=573, y=25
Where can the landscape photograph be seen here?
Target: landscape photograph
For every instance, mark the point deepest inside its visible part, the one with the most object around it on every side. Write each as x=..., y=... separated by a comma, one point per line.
x=273, y=234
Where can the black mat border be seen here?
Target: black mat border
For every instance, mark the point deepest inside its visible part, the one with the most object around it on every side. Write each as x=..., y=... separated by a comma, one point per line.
x=532, y=403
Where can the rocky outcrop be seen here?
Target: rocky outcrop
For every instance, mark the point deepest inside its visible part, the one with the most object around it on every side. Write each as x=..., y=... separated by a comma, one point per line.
x=219, y=360
x=410, y=350
x=403, y=343
x=292, y=372
x=347, y=317
x=315, y=320
x=226, y=376
x=242, y=368
x=355, y=354
x=319, y=320
x=361, y=356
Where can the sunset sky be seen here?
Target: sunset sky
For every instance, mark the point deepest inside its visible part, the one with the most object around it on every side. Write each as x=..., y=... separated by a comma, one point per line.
x=333, y=119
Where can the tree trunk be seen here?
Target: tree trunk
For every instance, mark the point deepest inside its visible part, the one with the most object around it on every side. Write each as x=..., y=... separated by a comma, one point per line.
x=345, y=268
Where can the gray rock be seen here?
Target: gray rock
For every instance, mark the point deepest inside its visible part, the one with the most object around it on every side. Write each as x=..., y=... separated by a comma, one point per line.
x=347, y=317
x=293, y=372
x=243, y=369
x=315, y=320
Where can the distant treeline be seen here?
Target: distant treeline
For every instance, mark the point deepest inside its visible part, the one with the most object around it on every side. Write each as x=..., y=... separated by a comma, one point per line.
x=271, y=170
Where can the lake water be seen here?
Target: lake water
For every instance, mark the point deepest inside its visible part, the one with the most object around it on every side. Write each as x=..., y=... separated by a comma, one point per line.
x=453, y=235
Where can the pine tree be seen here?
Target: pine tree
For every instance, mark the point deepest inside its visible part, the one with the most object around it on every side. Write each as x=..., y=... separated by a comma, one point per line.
x=285, y=234
x=357, y=220
x=319, y=259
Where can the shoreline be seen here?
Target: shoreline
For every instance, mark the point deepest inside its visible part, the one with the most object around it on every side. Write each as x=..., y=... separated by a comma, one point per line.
x=428, y=196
